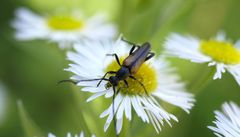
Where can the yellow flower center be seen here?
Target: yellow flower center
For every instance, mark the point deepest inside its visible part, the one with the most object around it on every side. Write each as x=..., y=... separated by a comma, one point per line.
x=64, y=23
x=146, y=74
x=221, y=51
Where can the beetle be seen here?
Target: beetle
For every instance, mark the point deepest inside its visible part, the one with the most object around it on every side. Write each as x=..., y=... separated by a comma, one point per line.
x=130, y=66
x=137, y=56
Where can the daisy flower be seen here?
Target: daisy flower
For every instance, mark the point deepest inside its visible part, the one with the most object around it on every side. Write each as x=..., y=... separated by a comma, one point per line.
x=90, y=61
x=70, y=135
x=62, y=29
x=218, y=52
x=227, y=122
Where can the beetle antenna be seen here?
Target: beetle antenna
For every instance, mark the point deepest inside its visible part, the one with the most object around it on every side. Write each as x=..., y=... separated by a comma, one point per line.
x=67, y=80
x=128, y=42
x=75, y=82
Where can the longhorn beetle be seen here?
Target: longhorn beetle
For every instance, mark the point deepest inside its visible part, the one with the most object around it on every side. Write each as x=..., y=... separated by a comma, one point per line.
x=137, y=56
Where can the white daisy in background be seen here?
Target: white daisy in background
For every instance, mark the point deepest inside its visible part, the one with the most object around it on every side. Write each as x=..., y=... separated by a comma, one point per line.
x=70, y=135
x=227, y=122
x=63, y=29
x=217, y=52
x=90, y=61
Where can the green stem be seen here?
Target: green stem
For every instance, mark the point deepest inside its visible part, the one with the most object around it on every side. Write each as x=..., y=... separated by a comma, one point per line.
x=203, y=80
x=29, y=126
x=79, y=108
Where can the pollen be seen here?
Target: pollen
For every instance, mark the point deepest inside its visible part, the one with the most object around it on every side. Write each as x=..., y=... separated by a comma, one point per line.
x=146, y=74
x=65, y=23
x=221, y=51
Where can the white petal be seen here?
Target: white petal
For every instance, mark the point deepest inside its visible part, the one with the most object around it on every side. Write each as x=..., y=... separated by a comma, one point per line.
x=94, y=96
x=179, y=99
x=156, y=113
x=98, y=29
x=109, y=111
x=213, y=63
x=227, y=122
x=69, y=135
x=51, y=135
x=139, y=109
x=235, y=71
x=109, y=94
x=171, y=89
x=237, y=44
x=108, y=121
x=219, y=71
x=81, y=134
x=185, y=47
x=119, y=125
x=121, y=109
x=81, y=60
x=93, y=89
x=152, y=121
x=127, y=105
x=27, y=23
x=221, y=36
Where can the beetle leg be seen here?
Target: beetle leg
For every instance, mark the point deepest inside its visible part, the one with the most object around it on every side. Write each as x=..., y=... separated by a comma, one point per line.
x=150, y=55
x=113, y=110
x=116, y=57
x=118, y=90
x=109, y=72
x=132, y=77
x=126, y=83
x=132, y=49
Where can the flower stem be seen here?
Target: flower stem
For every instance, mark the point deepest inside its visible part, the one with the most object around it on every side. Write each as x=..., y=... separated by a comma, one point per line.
x=203, y=80
x=78, y=105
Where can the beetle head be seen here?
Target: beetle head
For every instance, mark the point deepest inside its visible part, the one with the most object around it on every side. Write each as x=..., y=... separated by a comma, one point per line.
x=113, y=80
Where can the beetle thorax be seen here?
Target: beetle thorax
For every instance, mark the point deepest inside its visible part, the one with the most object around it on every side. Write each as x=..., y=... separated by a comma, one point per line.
x=123, y=73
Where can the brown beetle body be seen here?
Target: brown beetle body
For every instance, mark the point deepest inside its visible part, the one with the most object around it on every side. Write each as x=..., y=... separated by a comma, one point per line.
x=130, y=65
x=137, y=58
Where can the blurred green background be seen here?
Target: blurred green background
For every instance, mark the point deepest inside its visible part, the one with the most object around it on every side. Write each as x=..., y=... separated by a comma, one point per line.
x=30, y=70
